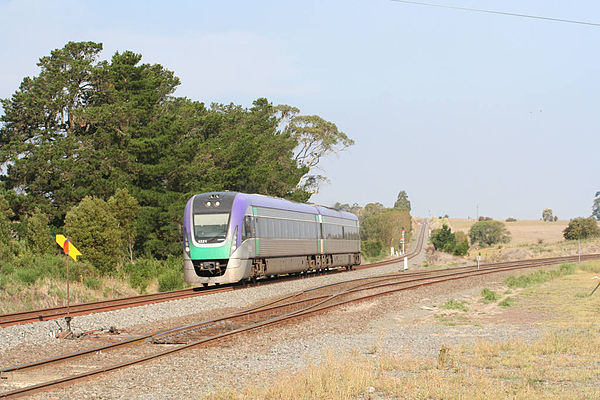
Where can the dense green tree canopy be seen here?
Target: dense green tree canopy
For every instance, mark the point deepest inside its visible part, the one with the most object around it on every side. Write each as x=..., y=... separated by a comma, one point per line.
x=89, y=127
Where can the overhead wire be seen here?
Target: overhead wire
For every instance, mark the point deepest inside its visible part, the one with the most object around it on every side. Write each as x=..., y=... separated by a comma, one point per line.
x=497, y=12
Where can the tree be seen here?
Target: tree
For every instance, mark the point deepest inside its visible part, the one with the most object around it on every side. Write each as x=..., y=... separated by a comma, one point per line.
x=84, y=127
x=443, y=239
x=315, y=138
x=581, y=228
x=488, y=232
x=354, y=208
x=596, y=208
x=462, y=244
x=96, y=233
x=8, y=245
x=124, y=208
x=36, y=234
x=402, y=203
x=547, y=215
x=385, y=226
x=371, y=248
x=372, y=209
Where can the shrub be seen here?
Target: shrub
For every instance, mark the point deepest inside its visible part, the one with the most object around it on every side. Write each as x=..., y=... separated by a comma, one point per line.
x=455, y=243
x=507, y=302
x=371, y=248
x=489, y=232
x=489, y=296
x=27, y=276
x=443, y=239
x=510, y=219
x=455, y=305
x=35, y=233
x=96, y=233
x=581, y=228
x=141, y=273
x=93, y=282
x=461, y=249
x=170, y=280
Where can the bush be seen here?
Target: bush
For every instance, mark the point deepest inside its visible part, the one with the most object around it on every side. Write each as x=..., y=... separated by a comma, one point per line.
x=35, y=233
x=443, y=239
x=141, y=273
x=461, y=249
x=510, y=219
x=170, y=280
x=489, y=296
x=507, y=302
x=92, y=282
x=371, y=248
x=488, y=232
x=169, y=273
x=455, y=305
x=581, y=228
x=96, y=233
x=455, y=243
x=27, y=276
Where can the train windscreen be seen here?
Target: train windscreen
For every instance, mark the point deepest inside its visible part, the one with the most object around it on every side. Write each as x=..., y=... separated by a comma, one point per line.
x=210, y=228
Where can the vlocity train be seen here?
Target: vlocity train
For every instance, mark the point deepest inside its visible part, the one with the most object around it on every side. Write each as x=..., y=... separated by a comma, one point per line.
x=229, y=237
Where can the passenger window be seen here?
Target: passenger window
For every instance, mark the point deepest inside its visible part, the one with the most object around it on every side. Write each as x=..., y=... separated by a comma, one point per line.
x=248, y=228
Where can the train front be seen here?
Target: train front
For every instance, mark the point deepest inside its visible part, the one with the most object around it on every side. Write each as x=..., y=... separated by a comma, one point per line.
x=212, y=232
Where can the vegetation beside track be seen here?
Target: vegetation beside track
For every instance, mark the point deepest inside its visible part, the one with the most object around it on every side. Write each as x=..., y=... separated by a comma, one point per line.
x=529, y=239
x=34, y=282
x=561, y=363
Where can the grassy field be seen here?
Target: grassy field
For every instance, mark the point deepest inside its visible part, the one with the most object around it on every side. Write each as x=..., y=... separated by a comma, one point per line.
x=524, y=231
x=562, y=364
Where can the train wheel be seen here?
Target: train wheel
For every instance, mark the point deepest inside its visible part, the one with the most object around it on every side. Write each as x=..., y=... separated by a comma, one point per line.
x=204, y=284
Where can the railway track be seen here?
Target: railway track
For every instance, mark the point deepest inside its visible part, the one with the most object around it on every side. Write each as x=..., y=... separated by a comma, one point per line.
x=134, y=301
x=97, y=361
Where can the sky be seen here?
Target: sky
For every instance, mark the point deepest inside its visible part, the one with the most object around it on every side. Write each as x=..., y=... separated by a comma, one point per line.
x=467, y=112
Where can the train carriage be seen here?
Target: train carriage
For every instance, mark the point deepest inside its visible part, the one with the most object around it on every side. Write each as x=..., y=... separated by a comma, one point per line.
x=230, y=236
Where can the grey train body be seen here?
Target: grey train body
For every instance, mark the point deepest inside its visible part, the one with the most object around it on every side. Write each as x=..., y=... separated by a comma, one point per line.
x=279, y=237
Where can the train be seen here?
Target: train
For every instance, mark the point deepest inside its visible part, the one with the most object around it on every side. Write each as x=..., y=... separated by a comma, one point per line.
x=230, y=237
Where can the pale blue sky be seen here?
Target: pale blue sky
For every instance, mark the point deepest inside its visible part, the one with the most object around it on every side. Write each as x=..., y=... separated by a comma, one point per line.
x=457, y=108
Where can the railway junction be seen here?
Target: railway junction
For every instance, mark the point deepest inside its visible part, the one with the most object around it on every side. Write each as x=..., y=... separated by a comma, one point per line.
x=202, y=344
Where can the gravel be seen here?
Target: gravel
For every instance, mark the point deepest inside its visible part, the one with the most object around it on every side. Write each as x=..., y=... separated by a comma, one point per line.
x=402, y=323
x=45, y=331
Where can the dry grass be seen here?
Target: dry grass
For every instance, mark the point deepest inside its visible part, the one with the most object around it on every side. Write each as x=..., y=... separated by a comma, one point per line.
x=52, y=293
x=523, y=231
x=563, y=364
x=529, y=239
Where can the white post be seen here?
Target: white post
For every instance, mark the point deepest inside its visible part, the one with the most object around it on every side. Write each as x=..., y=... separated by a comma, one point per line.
x=579, y=250
x=478, y=260
x=402, y=241
x=405, y=263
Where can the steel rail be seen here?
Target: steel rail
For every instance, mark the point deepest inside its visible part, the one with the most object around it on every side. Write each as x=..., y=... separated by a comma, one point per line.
x=133, y=301
x=424, y=281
